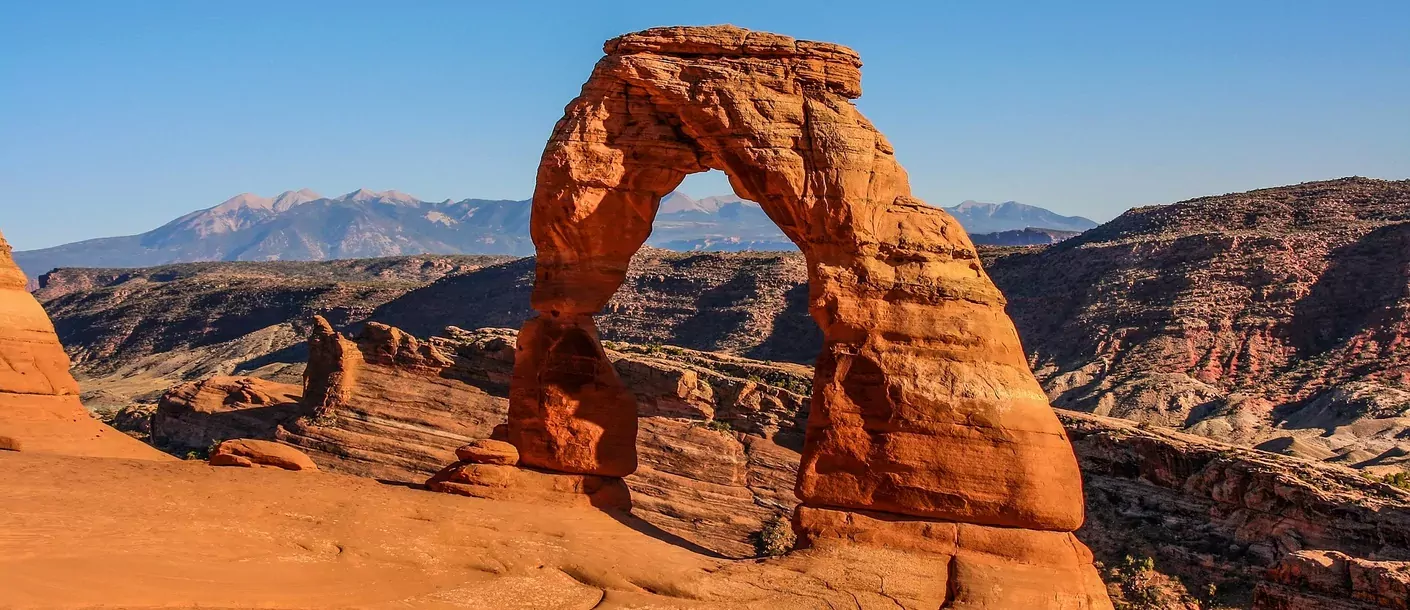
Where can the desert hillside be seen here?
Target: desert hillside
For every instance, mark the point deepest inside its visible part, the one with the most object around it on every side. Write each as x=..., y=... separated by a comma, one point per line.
x=1275, y=318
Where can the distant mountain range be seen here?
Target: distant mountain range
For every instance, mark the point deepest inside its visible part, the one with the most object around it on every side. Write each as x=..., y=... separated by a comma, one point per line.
x=303, y=225
x=980, y=217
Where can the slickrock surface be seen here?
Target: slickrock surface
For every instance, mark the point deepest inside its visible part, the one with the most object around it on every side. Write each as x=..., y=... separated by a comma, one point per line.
x=1277, y=318
x=138, y=534
x=39, y=406
x=1205, y=512
x=254, y=453
x=489, y=451
x=196, y=415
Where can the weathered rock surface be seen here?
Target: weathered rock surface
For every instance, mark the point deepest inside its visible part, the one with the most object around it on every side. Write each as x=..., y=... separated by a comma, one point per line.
x=390, y=406
x=1212, y=513
x=530, y=486
x=258, y=537
x=39, y=406
x=196, y=415
x=718, y=437
x=134, y=333
x=253, y=453
x=489, y=451
x=1328, y=580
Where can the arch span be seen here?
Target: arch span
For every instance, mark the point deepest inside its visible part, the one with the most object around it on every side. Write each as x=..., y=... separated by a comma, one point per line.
x=923, y=405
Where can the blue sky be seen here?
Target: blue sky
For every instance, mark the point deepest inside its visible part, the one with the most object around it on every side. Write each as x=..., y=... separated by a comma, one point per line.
x=117, y=116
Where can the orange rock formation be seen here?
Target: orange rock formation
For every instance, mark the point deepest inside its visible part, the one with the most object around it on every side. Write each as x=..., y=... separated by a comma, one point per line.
x=925, y=413
x=39, y=407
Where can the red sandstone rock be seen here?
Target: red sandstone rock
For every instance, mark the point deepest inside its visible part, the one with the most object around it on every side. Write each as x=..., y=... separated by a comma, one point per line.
x=39, y=406
x=515, y=484
x=924, y=405
x=1307, y=580
x=489, y=451
x=568, y=411
x=252, y=453
x=194, y=415
x=390, y=406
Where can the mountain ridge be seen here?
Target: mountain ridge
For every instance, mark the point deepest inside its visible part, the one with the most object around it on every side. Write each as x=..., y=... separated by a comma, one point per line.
x=305, y=225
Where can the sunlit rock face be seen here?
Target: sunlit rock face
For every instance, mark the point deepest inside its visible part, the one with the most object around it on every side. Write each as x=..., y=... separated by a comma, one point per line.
x=924, y=410
x=39, y=406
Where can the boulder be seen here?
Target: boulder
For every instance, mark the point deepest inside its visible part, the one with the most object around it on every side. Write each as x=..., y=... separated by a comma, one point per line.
x=489, y=451
x=251, y=453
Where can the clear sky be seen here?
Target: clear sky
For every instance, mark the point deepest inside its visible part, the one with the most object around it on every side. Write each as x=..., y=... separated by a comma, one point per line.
x=116, y=116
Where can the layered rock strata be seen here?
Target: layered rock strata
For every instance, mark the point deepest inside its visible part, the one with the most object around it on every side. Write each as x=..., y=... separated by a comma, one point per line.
x=388, y=405
x=718, y=435
x=39, y=406
x=194, y=416
x=1328, y=580
x=924, y=406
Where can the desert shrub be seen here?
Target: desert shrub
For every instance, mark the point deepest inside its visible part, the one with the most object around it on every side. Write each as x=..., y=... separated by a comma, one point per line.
x=776, y=537
x=1397, y=479
x=723, y=427
x=1141, y=587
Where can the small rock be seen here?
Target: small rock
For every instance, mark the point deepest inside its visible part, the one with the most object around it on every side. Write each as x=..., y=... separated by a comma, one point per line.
x=251, y=453
x=9, y=443
x=489, y=451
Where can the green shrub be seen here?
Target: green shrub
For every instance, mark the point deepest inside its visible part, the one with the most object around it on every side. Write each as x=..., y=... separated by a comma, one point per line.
x=776, y=538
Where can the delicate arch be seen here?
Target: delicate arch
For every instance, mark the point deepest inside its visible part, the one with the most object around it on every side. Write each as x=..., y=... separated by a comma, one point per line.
x=923, y=401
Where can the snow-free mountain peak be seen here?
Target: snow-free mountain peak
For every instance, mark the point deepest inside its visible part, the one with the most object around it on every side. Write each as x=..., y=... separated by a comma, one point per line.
x=393, y=197
x=289, y=199
x=984, y=217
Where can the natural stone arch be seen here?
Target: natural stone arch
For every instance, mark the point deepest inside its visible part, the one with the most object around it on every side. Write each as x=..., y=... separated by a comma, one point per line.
x=924, y=404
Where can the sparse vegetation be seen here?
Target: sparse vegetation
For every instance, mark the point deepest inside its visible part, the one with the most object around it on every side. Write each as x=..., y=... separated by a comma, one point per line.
x=723, y=427
x=776, y=538
x=1398, y=480
x=1138, y=586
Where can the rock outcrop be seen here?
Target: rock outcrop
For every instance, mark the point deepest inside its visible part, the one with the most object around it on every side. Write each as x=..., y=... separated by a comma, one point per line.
x=924, y=407
x=718, y=435
x=391, y=406
x=39, y=406
x=196, y=415
x=1210, y=513
x=254, y=453
x=1328, y=580
x=719, y=440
